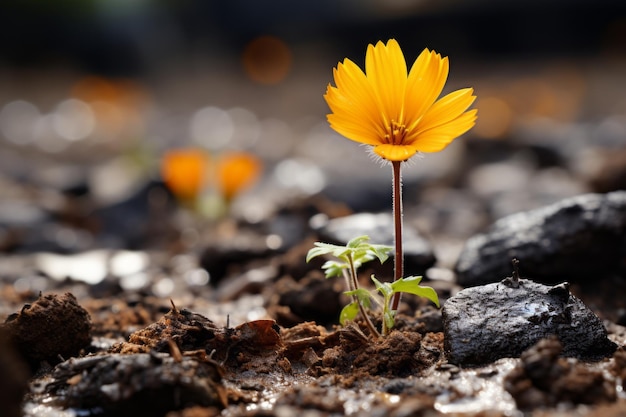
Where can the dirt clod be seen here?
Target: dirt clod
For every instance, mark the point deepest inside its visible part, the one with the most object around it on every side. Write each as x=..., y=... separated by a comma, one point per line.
x=545, y=379
x=190, y=331
x=398, y=354
x=52, y=328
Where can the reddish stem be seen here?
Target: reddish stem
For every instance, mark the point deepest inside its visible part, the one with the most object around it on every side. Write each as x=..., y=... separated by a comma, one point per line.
x=397, y=219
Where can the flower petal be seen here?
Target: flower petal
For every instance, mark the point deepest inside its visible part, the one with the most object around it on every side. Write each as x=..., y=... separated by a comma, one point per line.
x=385, y=68
x=352, y=101
x=353, y=130
x=353, y=84
x=395, y=152
x=438, y=137
x=426, y=79
x=446, y=109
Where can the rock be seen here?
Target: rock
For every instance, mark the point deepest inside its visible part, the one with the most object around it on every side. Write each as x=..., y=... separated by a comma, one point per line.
x=50, y=329
x=231, y=246
x=544, y=379
x=418, y=253
x=139, y=384
x=575, y=239
x=486, y=323
x=141, y=219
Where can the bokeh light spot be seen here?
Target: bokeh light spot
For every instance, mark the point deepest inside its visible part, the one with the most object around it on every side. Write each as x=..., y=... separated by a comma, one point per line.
x=197, y=277
x=267, y=60
x=212, y=128
x=301, y=175
x=73, y=120
x=495, y=118
x=17, y=120
x=247, y=128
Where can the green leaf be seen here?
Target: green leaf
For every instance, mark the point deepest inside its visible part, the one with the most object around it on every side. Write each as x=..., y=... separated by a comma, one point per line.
x=362, y=295
x=381, y=252
x=334, y=268
x=325, y=249
x=358, y=249
x=348, y=313
x=317, y=251
x=384, y=288
x=357, y=241
x=411, y=285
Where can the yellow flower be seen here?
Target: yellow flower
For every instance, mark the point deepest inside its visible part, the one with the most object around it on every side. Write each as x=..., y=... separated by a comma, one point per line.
x=395, y=111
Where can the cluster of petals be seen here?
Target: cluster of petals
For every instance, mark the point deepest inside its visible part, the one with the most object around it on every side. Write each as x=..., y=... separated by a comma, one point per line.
x=397, y=111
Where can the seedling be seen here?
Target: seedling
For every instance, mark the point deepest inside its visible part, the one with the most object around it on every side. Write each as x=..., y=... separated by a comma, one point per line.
x=350, y=258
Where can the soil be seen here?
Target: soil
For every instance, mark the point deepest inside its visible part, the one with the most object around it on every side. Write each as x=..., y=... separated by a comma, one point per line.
x=274, y=350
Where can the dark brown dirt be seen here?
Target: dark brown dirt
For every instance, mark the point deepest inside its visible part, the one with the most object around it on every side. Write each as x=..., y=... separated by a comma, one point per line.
x=14, y=375
x=544, y=379
x=51, y=329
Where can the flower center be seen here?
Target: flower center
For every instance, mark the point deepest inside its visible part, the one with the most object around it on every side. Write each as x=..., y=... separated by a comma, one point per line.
x=396, y=133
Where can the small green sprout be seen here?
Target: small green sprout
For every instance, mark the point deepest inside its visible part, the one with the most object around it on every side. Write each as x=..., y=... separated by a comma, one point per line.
x=350, y=258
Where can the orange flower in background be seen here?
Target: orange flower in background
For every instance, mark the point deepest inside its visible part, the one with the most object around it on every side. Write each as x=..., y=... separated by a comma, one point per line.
x=237, y=171
x=189, y=172
x=184, y=171
x=395, y=111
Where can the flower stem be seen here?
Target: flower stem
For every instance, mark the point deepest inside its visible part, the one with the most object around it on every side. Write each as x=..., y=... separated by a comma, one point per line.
x=355, y=285
x=397, y=219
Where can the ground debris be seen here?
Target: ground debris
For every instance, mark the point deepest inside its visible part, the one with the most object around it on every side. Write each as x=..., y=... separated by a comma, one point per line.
x=137, y=384
x=398, y=354
x=544, y=379
x=189, y=330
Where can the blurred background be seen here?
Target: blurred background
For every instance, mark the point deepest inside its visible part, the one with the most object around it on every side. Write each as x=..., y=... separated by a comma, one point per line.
x=96, y=96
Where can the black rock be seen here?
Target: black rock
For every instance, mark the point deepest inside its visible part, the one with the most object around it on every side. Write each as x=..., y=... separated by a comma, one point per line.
x=489, y=322
x=418, y=253
x=576, y=239
x=141, y=219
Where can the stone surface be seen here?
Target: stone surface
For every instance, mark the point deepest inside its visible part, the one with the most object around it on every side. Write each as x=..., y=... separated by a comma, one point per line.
x=489, y=322
x=576, y=239
x=418, y=252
